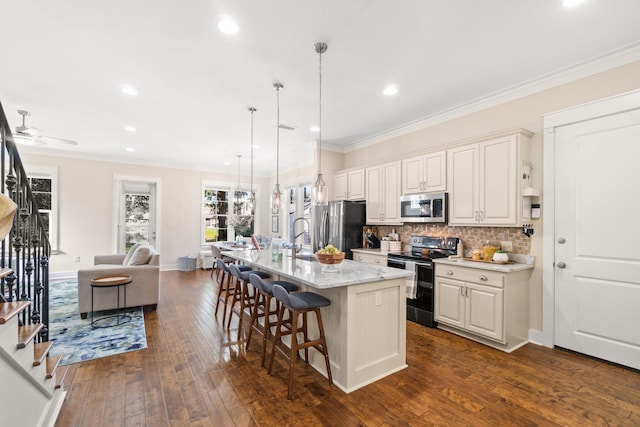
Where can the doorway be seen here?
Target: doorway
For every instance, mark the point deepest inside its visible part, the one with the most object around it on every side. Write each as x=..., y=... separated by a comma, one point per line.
x=591, y=265
x=137, y=212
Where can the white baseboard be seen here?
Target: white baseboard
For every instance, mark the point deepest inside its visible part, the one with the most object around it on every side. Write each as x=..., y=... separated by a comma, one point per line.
x=538, y=337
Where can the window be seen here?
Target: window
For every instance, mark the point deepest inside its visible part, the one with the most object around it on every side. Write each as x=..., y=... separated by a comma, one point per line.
x=225, y=213
x=43, y=181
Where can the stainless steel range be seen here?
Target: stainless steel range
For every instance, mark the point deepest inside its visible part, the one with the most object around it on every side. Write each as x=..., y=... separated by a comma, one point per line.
x=420, y=293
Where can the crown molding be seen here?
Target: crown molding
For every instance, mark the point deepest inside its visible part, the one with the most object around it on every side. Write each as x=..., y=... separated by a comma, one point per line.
x=615, y=58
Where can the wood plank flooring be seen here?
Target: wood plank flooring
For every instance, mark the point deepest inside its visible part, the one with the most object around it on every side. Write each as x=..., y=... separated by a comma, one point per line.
x=195, y=373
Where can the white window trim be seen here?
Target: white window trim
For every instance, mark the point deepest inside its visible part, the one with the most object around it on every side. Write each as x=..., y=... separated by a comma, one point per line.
x=48, y=171
x=117, y=182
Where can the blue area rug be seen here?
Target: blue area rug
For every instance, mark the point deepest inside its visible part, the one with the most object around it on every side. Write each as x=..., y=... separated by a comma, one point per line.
x=76, y=340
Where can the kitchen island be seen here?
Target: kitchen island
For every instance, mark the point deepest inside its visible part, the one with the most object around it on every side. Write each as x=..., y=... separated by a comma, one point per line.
x=365, y=325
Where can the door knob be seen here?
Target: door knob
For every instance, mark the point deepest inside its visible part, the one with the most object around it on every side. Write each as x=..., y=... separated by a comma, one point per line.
x=561, y=240
x=561, y=265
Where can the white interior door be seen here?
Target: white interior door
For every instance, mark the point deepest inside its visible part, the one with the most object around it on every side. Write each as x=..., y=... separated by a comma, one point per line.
x=137, y=214
x=597, y=238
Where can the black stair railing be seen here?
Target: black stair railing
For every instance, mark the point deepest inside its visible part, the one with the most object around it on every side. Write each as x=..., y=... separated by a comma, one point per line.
x=26, y=249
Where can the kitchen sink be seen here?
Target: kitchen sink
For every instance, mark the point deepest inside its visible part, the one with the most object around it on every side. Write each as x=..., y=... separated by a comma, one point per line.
x=306, y=257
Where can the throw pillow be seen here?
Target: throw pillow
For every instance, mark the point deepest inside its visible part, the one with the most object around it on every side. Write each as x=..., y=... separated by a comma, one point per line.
x=129, y=254
x=141, y=256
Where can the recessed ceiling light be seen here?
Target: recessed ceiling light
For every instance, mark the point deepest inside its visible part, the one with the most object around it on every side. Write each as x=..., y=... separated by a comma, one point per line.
x=227, y=25
x=390, y=90
x=314, y=128
x=571, y=3
x=226, y=163
x=131, y=150
x=255, y=146
x=128, y=90
x=130, y=128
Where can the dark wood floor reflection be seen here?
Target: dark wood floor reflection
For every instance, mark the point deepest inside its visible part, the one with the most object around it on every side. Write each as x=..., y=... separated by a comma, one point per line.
x=195, y=373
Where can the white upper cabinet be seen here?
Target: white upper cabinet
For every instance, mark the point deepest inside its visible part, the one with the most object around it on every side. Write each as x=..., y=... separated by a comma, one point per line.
x=425, y=173
x=349, y=185
x=484, y=183
x=383, y=193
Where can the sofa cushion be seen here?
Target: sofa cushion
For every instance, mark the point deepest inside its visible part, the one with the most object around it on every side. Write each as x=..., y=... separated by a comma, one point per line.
x=141, y=256
x=129, y=254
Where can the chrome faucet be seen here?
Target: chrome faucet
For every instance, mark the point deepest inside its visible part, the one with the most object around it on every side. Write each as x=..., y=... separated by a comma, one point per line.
x=294, y=249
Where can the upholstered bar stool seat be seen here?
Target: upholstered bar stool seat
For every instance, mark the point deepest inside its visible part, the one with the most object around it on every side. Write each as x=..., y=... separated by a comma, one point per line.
x=262, y=308
x=224, y=284
x=299, y=303
x=241, y=293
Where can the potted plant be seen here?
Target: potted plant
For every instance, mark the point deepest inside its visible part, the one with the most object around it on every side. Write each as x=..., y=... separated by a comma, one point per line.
x=500, y=256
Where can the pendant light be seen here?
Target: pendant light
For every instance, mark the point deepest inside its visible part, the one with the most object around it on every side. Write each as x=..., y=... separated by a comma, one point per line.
x=275, y=200
x=320, y=195
x=239, y=191
x=252, y=194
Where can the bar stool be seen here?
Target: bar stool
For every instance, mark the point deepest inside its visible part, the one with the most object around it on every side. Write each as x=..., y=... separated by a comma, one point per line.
x=299, y=303
x=217, y=254
x=223, y=277
x=241, y=293
x=262, y=308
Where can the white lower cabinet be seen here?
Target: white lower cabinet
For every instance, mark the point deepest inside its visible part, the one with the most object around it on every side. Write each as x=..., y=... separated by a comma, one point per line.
x=370, y=258
x=487, y=306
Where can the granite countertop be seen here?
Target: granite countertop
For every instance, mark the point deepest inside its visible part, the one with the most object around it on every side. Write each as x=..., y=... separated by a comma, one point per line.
x=311, y=272
x=503, y=268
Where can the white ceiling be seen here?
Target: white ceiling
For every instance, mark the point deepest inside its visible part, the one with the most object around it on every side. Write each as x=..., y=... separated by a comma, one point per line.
x=66, y=60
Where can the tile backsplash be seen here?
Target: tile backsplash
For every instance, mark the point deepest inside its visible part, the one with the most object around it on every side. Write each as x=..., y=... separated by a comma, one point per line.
x=472, y=237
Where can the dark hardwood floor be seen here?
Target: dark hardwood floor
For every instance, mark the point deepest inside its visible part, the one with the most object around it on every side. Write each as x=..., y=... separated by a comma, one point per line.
x=195, y=373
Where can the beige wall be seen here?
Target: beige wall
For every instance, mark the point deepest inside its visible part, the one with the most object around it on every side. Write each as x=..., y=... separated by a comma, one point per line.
x=525, y=112
x=86, y=206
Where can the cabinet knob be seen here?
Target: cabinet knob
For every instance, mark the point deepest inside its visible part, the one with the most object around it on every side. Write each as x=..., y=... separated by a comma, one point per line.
x=561, y=265
x=562, y=240
x=483, y=278
x=449, y=273
x=377, y=261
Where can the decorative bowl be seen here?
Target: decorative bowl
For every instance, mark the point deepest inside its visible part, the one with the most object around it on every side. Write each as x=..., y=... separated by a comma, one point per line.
x=330, y=258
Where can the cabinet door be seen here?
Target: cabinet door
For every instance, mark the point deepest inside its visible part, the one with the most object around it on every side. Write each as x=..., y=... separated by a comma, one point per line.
x=390, y=186
x=450, y=302
x=485, y=311
x=373, y=196
x=498, y=181
x=463, y=184
x=435, y=171
x=412, y=175
x=340, y=186
x=356, y=188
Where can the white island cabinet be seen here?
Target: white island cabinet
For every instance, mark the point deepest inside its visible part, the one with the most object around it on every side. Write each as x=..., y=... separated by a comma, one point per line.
x=365, y=325
x=488, y=303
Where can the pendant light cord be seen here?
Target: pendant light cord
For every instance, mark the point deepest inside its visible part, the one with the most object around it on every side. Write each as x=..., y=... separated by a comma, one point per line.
x=252, y=110
x=320, y=116
x=278, y=86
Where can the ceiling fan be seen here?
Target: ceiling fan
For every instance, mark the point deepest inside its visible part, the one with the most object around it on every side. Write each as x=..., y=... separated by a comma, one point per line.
x=32, y=135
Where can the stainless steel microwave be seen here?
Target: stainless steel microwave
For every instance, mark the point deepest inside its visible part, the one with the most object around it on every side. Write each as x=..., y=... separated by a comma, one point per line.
x=427, y=207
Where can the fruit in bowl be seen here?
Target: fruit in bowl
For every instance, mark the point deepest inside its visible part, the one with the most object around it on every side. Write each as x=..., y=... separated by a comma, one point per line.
x=330, y=255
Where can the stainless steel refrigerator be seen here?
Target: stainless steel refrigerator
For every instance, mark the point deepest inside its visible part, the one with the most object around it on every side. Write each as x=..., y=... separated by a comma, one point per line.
x=340, y=224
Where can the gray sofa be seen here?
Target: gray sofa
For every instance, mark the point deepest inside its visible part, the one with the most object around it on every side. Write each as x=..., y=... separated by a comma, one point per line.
x=143, y=291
